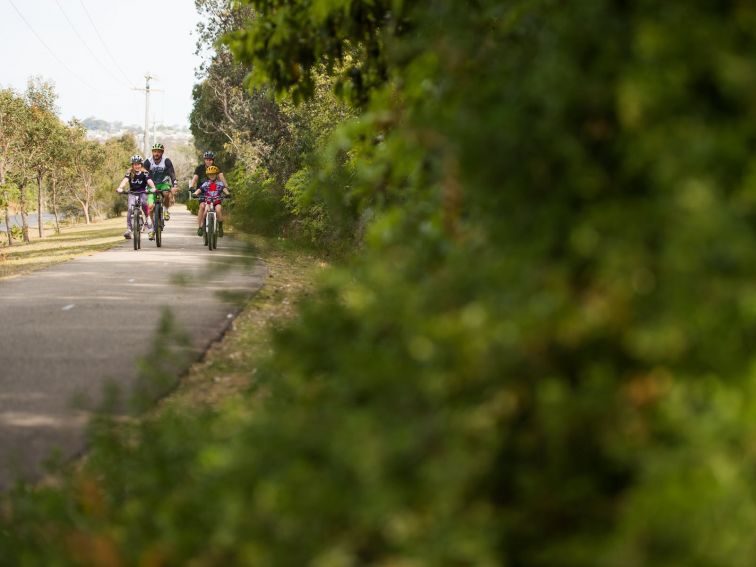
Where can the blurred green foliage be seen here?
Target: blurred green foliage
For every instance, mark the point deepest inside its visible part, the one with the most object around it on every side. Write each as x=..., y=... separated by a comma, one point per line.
x=539, y=354
x=192, y=206
x=257, y=201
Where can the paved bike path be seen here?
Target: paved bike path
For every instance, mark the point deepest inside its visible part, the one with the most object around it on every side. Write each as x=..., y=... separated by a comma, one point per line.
x=70, y=329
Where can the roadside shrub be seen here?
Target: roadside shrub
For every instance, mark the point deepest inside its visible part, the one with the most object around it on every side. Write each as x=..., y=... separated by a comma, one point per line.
x=311, y=221
x=257, y=203
x=192, y=206
x=16, y=232
x=119, y=206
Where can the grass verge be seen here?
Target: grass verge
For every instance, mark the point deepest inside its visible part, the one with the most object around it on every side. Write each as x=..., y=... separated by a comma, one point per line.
x=229, y=366
x=71, y=242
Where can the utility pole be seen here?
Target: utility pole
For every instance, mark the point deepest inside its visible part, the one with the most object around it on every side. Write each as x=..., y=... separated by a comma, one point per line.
x=147, y=91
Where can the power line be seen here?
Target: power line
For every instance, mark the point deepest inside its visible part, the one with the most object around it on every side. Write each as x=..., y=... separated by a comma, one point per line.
x=99, y=62
x=58, y=59
x=105, y=45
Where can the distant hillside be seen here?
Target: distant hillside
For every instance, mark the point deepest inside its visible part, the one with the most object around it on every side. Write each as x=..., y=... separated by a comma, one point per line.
x=170, y=135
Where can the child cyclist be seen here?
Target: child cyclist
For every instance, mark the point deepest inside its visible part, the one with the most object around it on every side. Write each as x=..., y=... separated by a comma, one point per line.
x=211, y=191
x=200, y=175
x=138, y=180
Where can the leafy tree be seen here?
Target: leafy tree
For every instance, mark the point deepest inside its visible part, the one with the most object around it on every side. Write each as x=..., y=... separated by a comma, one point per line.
x=217, y=98
x=114, y=154
x=36, y=122
x=288, y=41
x=38, y=150
x=11, y=109
x=61, y=156
x=82, y=185
x=42, y=133
x=266, y=142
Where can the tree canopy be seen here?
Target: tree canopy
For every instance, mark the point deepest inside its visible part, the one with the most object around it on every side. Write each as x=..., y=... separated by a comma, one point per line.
x=38, y=158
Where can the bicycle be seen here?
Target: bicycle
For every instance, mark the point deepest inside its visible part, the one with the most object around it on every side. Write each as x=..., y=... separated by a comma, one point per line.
x=158, y=222
x=211, y=225
x=138, y=219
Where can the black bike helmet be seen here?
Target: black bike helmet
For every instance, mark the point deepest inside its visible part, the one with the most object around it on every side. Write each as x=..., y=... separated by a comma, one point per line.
x=208, y=155
x=136, y=159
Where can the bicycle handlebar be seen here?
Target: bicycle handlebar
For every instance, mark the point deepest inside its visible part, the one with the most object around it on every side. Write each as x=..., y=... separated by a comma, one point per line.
x=200, y=197
x=130, y=192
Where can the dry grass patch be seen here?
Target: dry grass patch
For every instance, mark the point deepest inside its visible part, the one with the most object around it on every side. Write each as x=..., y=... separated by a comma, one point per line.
x=71, y=242
x=229, y=366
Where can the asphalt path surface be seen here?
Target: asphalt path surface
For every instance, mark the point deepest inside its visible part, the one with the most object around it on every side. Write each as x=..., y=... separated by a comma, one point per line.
x=70, y=330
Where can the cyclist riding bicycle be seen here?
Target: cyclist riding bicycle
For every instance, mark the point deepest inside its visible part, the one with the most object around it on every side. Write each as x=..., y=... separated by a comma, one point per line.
x=212, y=192
x=162, y=172
x=138, y=179
x=200, y=175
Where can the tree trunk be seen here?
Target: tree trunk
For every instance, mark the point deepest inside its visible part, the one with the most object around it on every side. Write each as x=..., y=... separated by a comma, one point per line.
x=55, y=204
x=5, y=201
x=39, y=206
x=7, y=224
x=85, y=209
x=22, y=210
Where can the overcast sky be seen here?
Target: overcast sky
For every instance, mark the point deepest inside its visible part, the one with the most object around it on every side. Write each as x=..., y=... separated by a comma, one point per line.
x=98, y=50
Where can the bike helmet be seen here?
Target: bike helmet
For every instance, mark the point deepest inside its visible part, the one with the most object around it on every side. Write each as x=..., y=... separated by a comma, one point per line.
x=212, y=169
x=208, y=155
x=136, y=159
x=160, y=147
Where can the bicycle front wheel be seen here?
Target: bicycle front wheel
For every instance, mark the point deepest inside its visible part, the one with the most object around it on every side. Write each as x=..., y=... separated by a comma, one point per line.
x=138, y=231
x=135, y=227
x=157, y=224
x=210, y=230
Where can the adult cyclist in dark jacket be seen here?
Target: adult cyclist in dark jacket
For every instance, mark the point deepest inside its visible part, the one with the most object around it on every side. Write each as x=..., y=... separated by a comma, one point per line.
x=139, y=182
x=200, y=173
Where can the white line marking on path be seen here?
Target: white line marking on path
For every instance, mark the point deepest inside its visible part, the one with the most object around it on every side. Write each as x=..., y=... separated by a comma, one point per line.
x=69, y=307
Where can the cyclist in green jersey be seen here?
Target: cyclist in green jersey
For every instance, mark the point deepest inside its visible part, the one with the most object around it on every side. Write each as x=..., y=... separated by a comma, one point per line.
x=162, y=172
